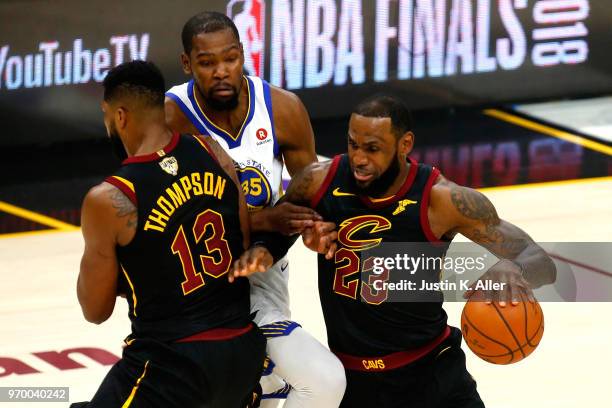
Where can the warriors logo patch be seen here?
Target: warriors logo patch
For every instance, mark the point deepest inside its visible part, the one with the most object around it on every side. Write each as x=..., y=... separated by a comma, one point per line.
x=169, y=165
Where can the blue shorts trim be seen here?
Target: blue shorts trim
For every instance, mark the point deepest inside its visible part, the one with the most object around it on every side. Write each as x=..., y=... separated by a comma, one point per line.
x=282, y=393
x=279, y=329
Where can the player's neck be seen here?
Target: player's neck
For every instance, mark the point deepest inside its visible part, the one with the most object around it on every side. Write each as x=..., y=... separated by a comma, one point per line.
x=230, y=120
x=151, y=137
x=397, y=183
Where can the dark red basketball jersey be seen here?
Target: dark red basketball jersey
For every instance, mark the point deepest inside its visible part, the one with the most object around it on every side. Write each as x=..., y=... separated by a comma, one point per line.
x=174, y=271
x=361, y=320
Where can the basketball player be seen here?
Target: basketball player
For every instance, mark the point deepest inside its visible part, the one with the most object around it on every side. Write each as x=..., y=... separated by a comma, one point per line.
x=165, y=230
x=402, y=354
x=260, y=127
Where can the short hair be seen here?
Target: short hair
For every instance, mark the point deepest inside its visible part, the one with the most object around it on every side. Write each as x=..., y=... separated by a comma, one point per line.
x=205, y=22
x=136, y=78
x=387, y=106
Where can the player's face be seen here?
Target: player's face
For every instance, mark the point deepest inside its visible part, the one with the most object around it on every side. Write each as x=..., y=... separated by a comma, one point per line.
x=215, y=62
x=375, y=154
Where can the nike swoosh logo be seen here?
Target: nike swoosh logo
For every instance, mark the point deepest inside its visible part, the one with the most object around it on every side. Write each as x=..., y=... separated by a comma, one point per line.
x=283, y=267
x=339, y=193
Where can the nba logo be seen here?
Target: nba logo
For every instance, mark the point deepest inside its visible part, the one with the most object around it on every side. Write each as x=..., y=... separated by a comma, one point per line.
x=249, y=17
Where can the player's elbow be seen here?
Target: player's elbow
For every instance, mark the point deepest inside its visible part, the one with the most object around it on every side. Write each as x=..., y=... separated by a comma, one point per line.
x=95, y=318
x=94, y=311
x=551, y=271
x=543, y=271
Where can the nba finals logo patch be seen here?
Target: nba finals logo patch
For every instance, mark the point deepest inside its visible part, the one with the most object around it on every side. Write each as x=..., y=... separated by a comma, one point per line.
x=249, y=17
x=169, y=165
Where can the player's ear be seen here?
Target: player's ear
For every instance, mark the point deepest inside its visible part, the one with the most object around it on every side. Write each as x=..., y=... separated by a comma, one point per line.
x=186, y=64
x=405, y=144
x=121, y=118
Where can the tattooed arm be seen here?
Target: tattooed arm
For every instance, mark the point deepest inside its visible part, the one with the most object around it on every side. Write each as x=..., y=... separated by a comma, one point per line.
x=108, y=219
x=455, y=209
x=321, y=236
x=306, y=183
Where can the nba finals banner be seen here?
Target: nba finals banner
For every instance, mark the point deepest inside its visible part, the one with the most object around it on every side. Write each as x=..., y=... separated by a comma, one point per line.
x=435, y=53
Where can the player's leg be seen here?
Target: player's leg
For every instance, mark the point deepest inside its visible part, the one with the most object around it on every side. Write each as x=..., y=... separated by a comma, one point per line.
x=438, y=380
x=231, y=367
x=454, y=384
x=361, y=390
x=316, y=376
x=274, y=388
x=151, y=374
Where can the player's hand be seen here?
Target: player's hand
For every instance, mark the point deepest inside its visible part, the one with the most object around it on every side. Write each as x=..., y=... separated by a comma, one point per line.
x=515, y=287
x=289, y=219
x=255, y=259
x=321, y=238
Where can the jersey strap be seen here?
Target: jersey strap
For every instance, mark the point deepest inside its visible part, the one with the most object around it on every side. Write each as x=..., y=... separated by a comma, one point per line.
x=125, y=186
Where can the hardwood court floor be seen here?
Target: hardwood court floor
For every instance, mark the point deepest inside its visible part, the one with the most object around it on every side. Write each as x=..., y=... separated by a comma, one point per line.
x=39, y=311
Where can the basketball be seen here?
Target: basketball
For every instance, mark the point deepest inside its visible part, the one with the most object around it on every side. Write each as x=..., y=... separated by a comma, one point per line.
x=502, y=335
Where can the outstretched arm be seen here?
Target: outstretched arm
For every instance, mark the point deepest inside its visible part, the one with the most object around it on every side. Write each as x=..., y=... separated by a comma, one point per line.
x=524, y=265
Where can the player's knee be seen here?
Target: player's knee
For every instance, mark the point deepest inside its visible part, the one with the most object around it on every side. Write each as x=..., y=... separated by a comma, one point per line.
x=325, y=377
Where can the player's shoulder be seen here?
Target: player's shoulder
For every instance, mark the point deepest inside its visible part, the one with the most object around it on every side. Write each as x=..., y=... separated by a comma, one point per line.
x=305, y=184
x=314, y=171
x=441, y=189
x=291, y=120
x=446, y=194
x=441, y=181
x=218, y=153
x=174, y=95
x=319, y=169
x=108, y=213
x=105, y=197
x=215, y=149
x=284, y=101
x=179, y=89
x=175, y=118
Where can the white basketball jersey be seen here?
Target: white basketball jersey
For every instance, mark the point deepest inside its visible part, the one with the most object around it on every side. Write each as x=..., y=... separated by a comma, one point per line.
x=256, y=153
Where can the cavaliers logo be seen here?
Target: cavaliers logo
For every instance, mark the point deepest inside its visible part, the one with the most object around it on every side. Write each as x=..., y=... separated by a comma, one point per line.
x=169, y=165
x=349, y=228
x=250, y=17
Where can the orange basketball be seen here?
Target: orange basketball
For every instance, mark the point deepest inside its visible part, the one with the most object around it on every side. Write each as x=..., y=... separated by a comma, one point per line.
x=502, y=335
